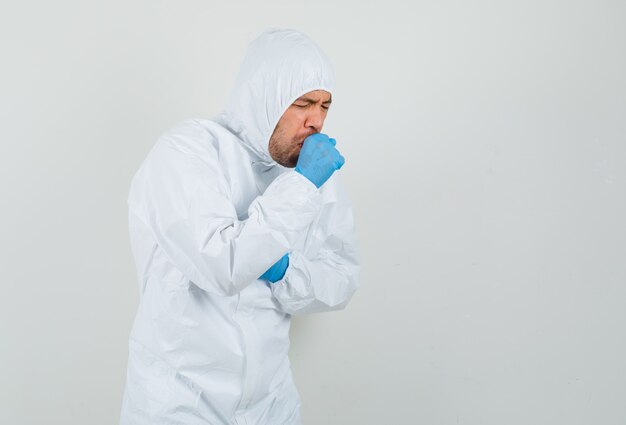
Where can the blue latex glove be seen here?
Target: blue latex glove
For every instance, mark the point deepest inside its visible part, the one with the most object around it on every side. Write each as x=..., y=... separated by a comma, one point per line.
x=319, y=159
x=277, y=271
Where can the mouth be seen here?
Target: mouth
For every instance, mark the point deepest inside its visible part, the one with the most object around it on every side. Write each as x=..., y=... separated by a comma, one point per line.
x=304, y=138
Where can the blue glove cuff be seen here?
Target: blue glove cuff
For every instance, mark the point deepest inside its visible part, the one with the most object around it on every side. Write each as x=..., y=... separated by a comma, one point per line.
x=277, y=271
x=298, y=170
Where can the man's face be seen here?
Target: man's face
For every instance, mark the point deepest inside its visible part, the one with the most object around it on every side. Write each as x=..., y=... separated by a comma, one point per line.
x=302, y=118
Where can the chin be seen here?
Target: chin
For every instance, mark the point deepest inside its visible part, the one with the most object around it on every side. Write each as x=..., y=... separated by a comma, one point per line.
x=294, y=161
x=289, y=163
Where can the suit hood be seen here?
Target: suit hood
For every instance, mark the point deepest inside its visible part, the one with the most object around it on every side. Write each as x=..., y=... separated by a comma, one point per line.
x=279, y=66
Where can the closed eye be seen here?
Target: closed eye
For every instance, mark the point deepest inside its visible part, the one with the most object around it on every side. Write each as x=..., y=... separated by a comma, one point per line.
x=307, y=104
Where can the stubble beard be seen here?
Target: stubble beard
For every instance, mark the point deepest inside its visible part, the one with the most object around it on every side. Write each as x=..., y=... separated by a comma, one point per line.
x=284, y=153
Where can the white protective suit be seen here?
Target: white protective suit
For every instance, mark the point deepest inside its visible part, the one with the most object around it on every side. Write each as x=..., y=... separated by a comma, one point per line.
x=210, y=211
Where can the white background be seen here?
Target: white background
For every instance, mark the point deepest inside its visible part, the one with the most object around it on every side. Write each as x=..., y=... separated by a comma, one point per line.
x=486, y=161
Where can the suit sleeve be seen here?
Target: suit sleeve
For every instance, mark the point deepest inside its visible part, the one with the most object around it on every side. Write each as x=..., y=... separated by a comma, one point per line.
x=189, y=210
x=326, y=280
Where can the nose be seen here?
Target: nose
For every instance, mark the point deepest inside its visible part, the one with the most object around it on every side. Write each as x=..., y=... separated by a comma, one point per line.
x=315, y=119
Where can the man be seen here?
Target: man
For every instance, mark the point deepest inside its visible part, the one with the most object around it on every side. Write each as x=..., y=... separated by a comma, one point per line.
x=236, y=224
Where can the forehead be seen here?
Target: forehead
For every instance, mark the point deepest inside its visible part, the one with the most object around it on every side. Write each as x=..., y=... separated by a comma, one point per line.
x=317, y=96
